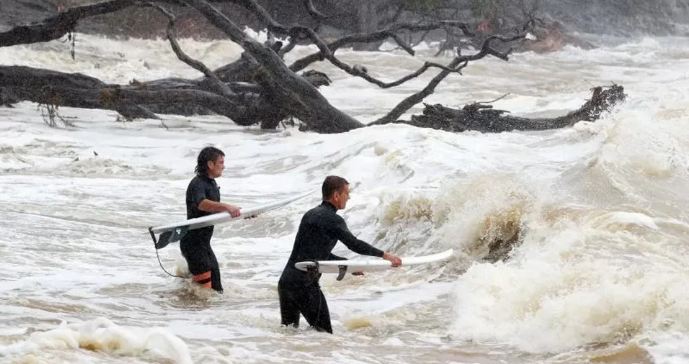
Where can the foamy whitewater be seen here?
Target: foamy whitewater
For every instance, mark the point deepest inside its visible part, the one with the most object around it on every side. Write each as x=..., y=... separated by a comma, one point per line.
x=599, y=275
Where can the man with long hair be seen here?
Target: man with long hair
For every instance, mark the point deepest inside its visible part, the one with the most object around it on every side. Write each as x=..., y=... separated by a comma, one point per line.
x=203, y=198
x=319, y=231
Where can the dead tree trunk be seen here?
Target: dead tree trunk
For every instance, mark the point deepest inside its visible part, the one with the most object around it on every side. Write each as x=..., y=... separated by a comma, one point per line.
x=77, y=90
x=483, y=118
x=288, y=88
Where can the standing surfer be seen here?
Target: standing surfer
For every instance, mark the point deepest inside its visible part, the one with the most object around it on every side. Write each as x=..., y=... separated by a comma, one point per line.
x=319, y=231
x=203, y=198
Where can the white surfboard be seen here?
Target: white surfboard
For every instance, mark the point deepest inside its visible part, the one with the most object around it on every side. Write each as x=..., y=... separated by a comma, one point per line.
x=171, y=233
x=369, y=265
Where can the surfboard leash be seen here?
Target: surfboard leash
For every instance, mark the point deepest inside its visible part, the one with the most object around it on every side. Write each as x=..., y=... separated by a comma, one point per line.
x=155, y=247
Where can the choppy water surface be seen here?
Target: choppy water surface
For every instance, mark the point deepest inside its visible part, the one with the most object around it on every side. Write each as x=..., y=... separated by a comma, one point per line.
x=599, y=274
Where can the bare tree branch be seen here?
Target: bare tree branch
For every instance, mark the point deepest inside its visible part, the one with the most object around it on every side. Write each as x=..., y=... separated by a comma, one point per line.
x=57, y=26
x=220, y=86
x=288, y=48
x=314, y=12
x=300, y=32
x=326, y=51
x=289, y=88
x=457, y=64
x=417, y=97
x=302, y=63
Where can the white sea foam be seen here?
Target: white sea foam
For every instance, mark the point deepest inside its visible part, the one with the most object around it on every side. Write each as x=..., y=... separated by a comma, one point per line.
x=595, y=215
x=104, y=336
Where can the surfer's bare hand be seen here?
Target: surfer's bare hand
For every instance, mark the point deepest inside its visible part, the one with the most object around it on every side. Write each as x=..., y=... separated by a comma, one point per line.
x=395, y=260
x=233, y=210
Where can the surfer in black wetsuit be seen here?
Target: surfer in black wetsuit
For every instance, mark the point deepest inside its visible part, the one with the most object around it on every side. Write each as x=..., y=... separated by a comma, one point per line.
x=203, y=198
x=319, y=231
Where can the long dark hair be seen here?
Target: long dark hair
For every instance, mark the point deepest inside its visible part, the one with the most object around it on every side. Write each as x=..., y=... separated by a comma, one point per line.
x=207, y=154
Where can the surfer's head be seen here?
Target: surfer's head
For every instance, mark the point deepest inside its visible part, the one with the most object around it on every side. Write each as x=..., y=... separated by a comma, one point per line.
x=336, y=191
x=210, y=162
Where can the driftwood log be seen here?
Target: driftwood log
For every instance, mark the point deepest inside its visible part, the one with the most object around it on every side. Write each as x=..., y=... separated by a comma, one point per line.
x=482, y=117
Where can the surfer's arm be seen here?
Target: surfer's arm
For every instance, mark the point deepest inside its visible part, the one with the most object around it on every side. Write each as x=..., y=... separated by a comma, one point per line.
x=197, y=197
x=213, y=206
x=340, y=231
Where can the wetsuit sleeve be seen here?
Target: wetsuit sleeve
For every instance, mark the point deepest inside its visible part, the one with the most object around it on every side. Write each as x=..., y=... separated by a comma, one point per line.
x=196, y=194
x=340, y=231
x=335, y=257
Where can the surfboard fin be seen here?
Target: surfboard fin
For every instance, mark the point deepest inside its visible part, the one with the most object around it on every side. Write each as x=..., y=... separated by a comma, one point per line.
x=342, y=271
x=168, y=237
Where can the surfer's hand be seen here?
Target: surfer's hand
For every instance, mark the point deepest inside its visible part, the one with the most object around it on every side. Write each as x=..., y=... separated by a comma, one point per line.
x=233, y=210
x=357, y=273
x=395, y=260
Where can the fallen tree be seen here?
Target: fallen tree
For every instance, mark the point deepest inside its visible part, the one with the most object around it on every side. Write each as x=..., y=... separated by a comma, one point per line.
x=258, y=88
x=482, y=117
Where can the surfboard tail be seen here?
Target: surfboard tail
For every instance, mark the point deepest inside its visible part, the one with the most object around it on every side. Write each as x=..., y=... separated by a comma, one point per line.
x=167, y=237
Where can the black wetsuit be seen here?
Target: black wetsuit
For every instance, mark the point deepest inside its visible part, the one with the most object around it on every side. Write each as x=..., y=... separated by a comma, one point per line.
x=319, y=231
x=196, y=244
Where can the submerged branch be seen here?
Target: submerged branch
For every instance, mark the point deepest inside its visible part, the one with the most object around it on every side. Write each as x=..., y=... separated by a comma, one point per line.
x=76, y=90
x=481, y=117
